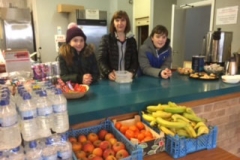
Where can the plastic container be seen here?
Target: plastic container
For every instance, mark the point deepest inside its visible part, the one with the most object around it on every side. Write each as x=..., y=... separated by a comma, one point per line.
x=28, y=118
x=3, y=156
x=44, y=112
x=60, y=114
x=179, y=147
x=9, y=127
x=33, y=152
x=123, y=77
x=135, y=152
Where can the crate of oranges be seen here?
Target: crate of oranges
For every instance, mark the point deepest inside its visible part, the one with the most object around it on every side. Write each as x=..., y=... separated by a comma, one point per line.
x=139, y=133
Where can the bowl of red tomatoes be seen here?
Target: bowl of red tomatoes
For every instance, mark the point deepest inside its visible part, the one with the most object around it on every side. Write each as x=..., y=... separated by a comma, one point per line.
x=72, y=90
x=79, y=91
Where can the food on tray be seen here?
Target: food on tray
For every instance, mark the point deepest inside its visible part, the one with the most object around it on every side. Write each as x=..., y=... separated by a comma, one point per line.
x=185, y=71
x=69, y=87
x=203, y=75
x=194, y=75
x=213, y=68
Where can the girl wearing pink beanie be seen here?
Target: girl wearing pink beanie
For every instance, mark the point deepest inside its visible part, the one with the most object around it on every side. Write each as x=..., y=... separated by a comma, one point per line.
x=77, y=59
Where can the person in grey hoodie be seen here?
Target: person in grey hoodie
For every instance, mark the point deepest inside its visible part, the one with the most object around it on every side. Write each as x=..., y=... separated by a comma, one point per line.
x=155, y=54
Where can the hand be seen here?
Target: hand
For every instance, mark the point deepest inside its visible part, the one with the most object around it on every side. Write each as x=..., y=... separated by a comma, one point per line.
x=112, y=76
x=166, y=73
x=87, y=79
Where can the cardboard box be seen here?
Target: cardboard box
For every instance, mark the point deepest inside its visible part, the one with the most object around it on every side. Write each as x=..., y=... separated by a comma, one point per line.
x=149, y=147
x=68, y=8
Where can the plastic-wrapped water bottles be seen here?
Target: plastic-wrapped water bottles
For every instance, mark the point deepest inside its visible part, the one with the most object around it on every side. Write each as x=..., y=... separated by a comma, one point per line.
x=49, y=150
x=64, y=148
x=17, y=154
x=60, y=116
x=44, y=112
x=9, y=128
x=33, y=152
x=28, y=118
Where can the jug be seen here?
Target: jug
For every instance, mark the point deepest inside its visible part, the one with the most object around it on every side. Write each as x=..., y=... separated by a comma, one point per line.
x=231, y=67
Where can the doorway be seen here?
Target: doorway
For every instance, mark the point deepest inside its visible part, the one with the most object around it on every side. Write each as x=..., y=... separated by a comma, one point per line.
x=142, y=34
x=181, y=37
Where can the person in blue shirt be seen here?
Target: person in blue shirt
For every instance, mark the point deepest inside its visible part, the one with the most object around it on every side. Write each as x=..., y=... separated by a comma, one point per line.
x=155, y=54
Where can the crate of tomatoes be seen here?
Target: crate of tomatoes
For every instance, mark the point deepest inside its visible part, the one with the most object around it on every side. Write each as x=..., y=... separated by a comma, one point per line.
x=102, y=142
x=140, y=134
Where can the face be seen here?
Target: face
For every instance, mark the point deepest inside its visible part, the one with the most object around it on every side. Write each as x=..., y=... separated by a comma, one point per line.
x=77, y=43
x=159, y=40
x=120, y=24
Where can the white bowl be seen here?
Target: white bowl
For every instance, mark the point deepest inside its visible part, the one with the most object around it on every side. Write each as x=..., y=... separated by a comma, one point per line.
x=123, y=77
x=231, y=79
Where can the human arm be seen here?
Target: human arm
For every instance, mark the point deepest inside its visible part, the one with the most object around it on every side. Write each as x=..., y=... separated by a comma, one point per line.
x=66, y=74
x=103, y=57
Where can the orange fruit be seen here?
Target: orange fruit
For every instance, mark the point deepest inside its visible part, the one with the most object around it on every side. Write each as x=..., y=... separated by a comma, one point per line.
x=133, y=128
x=147, y=138
x=140, y=125
x=140, y=136
x=148, y=134
x=129, y=134
x=118, y=125
x=123, y=129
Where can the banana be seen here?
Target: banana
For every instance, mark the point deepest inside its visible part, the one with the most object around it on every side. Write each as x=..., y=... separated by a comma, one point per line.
x=161, y=114
x=199, y=124
x=172, y=104
x=175, y=117
x=153, y=123
x=192, y=117
x=168, y=124
x=190, y=111
x=148, y=117
x=193, y=124
x=182, y=133
x=174, y=109
x=166, y=131
x=154, y=108
x=202, y=130
x=190, y=131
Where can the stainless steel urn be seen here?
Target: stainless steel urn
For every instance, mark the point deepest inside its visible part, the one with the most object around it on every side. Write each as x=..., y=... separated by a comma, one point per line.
x=217, y=46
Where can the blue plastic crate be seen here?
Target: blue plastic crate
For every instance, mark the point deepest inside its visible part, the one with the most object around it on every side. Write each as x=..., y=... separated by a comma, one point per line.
x=179, y=147
x=136, y=152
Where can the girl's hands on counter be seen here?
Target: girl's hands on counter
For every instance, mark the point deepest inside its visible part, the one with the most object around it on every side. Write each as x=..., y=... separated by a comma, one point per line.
x=112, y=76
x=87, y=79
x=166, y=73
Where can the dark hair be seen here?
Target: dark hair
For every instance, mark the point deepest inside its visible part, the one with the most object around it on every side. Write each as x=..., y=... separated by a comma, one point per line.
x=120, y=14
x=159, y=29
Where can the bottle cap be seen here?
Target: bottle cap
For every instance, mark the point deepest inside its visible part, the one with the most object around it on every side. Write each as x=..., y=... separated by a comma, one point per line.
x=4, y=102
x=26, y=96
x=49, y=141
x=33, y=144
x=43, y=93
x=58, y=91
x=16, y=149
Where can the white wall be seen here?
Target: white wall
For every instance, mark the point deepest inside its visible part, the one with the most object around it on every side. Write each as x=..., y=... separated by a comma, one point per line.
x=47, y=19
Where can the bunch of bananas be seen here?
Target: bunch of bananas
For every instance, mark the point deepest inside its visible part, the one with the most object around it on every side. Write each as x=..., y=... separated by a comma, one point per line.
x=173, y=119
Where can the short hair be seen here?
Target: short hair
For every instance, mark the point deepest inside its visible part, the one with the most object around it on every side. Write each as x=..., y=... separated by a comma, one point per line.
x=120, y=14
x=159, y=29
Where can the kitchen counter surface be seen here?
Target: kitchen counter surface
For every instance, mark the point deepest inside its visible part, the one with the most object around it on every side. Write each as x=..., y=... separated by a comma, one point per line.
x=107, y=98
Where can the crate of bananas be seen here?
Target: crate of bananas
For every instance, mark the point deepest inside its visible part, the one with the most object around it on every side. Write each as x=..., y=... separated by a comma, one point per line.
x=185, y=131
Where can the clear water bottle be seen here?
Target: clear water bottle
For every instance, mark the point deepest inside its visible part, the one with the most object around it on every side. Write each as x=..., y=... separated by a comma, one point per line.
x=49, y=150
x=44, y=112
x=28, y=118
x=9, y=127
x=60, y=116
x=64, y=148
x=17, y=154
x=33, y=152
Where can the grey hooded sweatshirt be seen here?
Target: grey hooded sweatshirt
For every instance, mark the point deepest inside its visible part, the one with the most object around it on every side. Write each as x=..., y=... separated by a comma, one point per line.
x=153, y=61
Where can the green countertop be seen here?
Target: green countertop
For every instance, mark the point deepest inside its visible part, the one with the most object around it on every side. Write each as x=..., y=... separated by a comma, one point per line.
x=107, y=98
